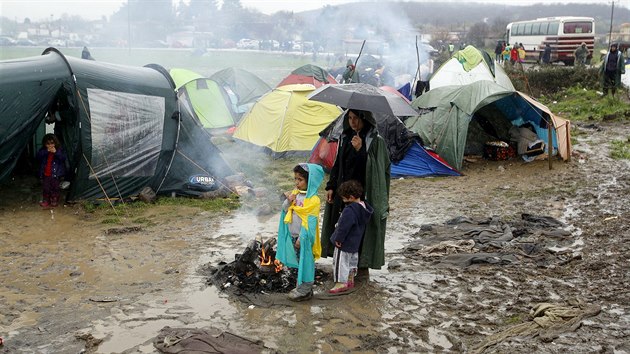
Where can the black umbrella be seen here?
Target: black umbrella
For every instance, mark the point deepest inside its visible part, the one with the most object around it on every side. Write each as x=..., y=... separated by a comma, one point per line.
x=363, y=97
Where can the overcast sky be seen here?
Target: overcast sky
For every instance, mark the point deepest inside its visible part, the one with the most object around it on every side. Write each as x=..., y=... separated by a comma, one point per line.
x=95, y=9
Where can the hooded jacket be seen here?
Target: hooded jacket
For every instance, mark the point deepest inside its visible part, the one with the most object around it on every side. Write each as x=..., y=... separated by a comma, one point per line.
x=310, y=246
x=621, y=69
x=351, y=226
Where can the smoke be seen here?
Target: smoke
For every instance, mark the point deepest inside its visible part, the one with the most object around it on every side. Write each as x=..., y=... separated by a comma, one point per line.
x=390, y=39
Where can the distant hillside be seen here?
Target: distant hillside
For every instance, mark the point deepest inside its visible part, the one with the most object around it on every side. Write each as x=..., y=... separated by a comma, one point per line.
x=460, y=16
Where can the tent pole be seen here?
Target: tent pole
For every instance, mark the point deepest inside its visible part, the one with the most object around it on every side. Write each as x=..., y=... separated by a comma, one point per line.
x=549, y=142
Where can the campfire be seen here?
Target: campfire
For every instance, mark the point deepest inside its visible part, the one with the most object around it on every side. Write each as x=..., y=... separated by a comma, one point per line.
x=268, y=263
x=257, y=271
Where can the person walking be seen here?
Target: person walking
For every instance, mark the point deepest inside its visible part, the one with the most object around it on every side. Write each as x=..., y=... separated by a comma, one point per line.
x=580, y=54
x=546, y=55
x=497, y=52
x=611, y=70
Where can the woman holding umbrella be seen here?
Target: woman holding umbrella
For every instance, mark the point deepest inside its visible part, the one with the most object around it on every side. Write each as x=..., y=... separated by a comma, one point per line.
x=362, y=155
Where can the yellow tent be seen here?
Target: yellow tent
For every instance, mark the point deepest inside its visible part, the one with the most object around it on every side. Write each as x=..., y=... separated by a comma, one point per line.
x=283, y=120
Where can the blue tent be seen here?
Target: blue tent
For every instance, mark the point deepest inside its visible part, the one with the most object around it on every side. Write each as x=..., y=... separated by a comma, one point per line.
x=418, y=162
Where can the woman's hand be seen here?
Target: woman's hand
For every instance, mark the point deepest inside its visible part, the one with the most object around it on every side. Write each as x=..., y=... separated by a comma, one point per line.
x=329, y=196
x=337, y=244
x=356, y=142
x=297, y=243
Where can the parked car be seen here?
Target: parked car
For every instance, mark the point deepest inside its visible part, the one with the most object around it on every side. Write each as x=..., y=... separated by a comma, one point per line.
x=25, y=43
x=247, y=43
x=7, y=41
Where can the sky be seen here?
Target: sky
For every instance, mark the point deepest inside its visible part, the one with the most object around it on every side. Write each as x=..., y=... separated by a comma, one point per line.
x=38, y=10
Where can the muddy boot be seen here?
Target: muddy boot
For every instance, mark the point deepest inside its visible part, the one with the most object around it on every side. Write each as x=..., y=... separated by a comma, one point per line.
x=362, y=276
x=302, y=293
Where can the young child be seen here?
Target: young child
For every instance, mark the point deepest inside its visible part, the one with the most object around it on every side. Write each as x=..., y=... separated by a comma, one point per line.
x=298, y=232
x=348, y=235
x=52, y=168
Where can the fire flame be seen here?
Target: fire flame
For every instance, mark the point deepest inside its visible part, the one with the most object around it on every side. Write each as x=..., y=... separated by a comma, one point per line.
x=266, y=261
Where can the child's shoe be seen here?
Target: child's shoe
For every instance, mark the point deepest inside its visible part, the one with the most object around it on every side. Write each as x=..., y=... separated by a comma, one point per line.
x=44, y=204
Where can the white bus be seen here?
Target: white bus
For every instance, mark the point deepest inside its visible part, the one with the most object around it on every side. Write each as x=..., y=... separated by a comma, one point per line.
x=564, y=35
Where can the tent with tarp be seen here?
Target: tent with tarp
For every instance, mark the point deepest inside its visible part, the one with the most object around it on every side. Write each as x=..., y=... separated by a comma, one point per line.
x=460, y=120
x=308, y=74
x=467, y=66
x=121, y=127
x=406, y=153
x=284, y=120
x=243, y=88
x=205, y=98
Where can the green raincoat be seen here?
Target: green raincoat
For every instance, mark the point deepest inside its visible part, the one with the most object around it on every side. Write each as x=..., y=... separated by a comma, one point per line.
x=377, y=177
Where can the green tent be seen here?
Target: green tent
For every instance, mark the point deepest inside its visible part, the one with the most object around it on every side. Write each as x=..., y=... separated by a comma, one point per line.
x=243, y=86
x=459, y=120
x=206, y=98
x=120, y=126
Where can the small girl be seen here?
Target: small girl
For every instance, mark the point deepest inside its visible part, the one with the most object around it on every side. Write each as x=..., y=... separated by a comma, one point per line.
x=298, y=232
x=52, y=168
x=348, y=235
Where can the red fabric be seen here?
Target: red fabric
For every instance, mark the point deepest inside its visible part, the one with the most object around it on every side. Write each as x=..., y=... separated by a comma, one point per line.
x=48, y=168
x=324, y=154
x=301, y=79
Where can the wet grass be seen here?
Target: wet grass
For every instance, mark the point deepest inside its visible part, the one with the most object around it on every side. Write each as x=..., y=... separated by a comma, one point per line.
x=620, y=149
x=134, y=212
x=581, y=104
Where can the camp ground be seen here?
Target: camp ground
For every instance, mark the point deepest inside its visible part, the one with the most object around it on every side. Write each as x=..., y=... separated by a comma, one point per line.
x=204, y=97
x=122, y=127
x=285, y=121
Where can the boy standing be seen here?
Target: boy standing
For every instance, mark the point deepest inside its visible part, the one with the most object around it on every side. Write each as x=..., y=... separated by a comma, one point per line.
x=298, y=233
x=348, y=235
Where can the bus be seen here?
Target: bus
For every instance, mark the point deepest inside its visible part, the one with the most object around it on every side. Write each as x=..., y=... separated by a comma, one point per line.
x=564, y=34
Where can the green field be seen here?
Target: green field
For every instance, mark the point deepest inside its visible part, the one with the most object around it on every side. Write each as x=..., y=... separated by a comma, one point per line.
x=272, y=67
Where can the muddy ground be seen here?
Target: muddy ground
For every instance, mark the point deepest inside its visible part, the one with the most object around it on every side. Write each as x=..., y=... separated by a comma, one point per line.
x=67, y=285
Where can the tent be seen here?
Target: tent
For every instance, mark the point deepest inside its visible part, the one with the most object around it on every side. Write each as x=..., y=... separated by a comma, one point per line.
x=308, y=74
x=284, y=120
x=121, y=126
x=467, y=66
x=408, y=156
x=459, y=120
x=243, y=87
x=205, y=98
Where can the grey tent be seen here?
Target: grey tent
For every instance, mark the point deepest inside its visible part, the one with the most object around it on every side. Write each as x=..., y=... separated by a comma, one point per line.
x=121, y=126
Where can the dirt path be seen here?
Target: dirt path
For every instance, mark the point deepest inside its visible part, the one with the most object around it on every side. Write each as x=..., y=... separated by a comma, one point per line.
x=68, y=284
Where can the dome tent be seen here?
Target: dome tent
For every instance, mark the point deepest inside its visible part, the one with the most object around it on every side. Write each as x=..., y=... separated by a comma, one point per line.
x=121, y=126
